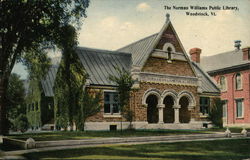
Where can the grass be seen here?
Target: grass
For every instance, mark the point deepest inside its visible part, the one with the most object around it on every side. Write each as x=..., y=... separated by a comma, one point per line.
x=74, y=135
x=67, y=135
x=230, y=149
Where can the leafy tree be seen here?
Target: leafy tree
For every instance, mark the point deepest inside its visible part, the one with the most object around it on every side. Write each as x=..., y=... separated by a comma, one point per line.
x=90, y=105
x=15, y=99
x=70, y=78
x=30, y=24
x=216, y=113
x=124, y=84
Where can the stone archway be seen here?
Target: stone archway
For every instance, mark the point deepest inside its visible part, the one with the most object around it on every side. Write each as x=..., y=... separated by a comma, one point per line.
x=186, y=102
x=152, y=110
x=168, y=111
x=184, y=112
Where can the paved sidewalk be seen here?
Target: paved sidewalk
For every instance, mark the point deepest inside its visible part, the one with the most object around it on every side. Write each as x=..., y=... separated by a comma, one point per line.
x=65, y=144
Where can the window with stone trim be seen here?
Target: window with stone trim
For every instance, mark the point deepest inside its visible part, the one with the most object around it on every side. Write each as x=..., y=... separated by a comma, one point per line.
x=239, y=108
x=204, y=105
x=111, y=103
x=223, y=83
x=238, y=81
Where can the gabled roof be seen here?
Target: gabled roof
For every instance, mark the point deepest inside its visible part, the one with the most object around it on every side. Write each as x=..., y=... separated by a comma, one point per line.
x=49, y=80
x=223, y=60
x=142, y=49
x=99, y=64
x=207, y=84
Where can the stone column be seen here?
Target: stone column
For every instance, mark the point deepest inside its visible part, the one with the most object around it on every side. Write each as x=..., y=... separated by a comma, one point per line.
x=160, y=109
x=176, y=113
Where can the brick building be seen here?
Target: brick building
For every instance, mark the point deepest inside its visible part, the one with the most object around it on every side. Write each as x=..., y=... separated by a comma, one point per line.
x=231, y=71
x=170, y=91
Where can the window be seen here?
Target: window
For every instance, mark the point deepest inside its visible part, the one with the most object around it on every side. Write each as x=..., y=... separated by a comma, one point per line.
x=223, y=83
x=224, y=107
x=239, y=108
x=238, y=83
x=169, y=51
x=204, y=105
x=111, y=103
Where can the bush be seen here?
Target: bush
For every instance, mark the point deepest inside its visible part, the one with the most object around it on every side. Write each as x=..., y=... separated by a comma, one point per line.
x=21, y=123
x=215, y=113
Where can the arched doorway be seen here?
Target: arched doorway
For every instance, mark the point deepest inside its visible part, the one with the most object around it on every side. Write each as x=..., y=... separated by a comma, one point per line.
x=168, y=110
x=184, y=112
x=152, y=110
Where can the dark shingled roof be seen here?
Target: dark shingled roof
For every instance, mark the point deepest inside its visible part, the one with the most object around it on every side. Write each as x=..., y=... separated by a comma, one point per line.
x=99, y=64
x=49, y=80
x=207, y=84
x=223, y=60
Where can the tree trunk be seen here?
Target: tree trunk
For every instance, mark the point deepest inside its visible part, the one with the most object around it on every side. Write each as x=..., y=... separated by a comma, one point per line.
x=3, y=114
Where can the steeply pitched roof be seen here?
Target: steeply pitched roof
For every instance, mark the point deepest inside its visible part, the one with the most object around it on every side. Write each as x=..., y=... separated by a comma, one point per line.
x=49, y=80
x=207, y=84
x=99, y=64
x=223, y=60
x=140, y=49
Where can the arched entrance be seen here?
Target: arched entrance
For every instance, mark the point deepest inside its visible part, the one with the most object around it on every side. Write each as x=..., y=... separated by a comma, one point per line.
x=185, y=115
x=168, y=110
x=152, y=110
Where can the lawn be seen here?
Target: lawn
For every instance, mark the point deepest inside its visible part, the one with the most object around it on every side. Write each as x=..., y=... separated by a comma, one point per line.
x=67, y=135
x=230, y=149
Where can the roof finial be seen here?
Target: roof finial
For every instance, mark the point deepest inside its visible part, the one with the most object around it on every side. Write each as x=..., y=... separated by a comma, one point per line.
x=167, y=17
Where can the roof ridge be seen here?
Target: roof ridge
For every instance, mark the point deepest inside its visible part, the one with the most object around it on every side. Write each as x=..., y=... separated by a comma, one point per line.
x=104, y=51
x=138, y=41
x=227, y=52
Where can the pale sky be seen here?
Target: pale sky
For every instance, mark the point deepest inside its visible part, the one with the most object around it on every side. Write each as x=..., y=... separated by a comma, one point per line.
x=112, y=24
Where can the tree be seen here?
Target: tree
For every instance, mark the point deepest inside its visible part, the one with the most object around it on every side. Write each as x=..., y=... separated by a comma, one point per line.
x=124, y=84
x=215, y=113
x=30, y=24
x=90, y=105
x=15, y=99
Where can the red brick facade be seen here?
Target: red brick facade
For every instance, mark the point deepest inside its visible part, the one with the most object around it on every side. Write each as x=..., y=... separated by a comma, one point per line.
x=231, y=94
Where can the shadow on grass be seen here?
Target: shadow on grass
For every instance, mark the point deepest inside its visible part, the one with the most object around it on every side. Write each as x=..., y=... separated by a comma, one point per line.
x=67, y=135
x=201, y=150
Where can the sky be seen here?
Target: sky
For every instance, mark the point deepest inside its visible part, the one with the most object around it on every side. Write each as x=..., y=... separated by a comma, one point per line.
x=112, y=24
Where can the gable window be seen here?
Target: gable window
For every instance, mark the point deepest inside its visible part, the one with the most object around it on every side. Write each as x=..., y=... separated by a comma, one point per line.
x=111, y=103
x=204, y=105
x=238, y=82
x=223, y=83
x=239, y=108
x=169, y=51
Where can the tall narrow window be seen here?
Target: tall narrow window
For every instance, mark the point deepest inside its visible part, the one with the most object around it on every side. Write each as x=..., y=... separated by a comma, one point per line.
x=238, y=82
x=239, y=108
x=111, y=102
x=224, y=107
x=204, y=105
x=169, y=51
x=223, y=83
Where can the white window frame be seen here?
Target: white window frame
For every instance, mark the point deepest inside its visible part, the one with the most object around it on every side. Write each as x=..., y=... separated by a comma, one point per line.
x=225, y=108
x=225, y=81
x=242, y=109
x=236, y=83
x=110, y=114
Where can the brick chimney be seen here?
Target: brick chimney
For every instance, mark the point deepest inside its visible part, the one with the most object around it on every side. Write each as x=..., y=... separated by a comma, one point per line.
x=246, y=53
x=195, y=54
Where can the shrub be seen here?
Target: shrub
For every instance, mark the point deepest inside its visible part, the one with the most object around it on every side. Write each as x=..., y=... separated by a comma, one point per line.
x=21, y=123
x=215, y=113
